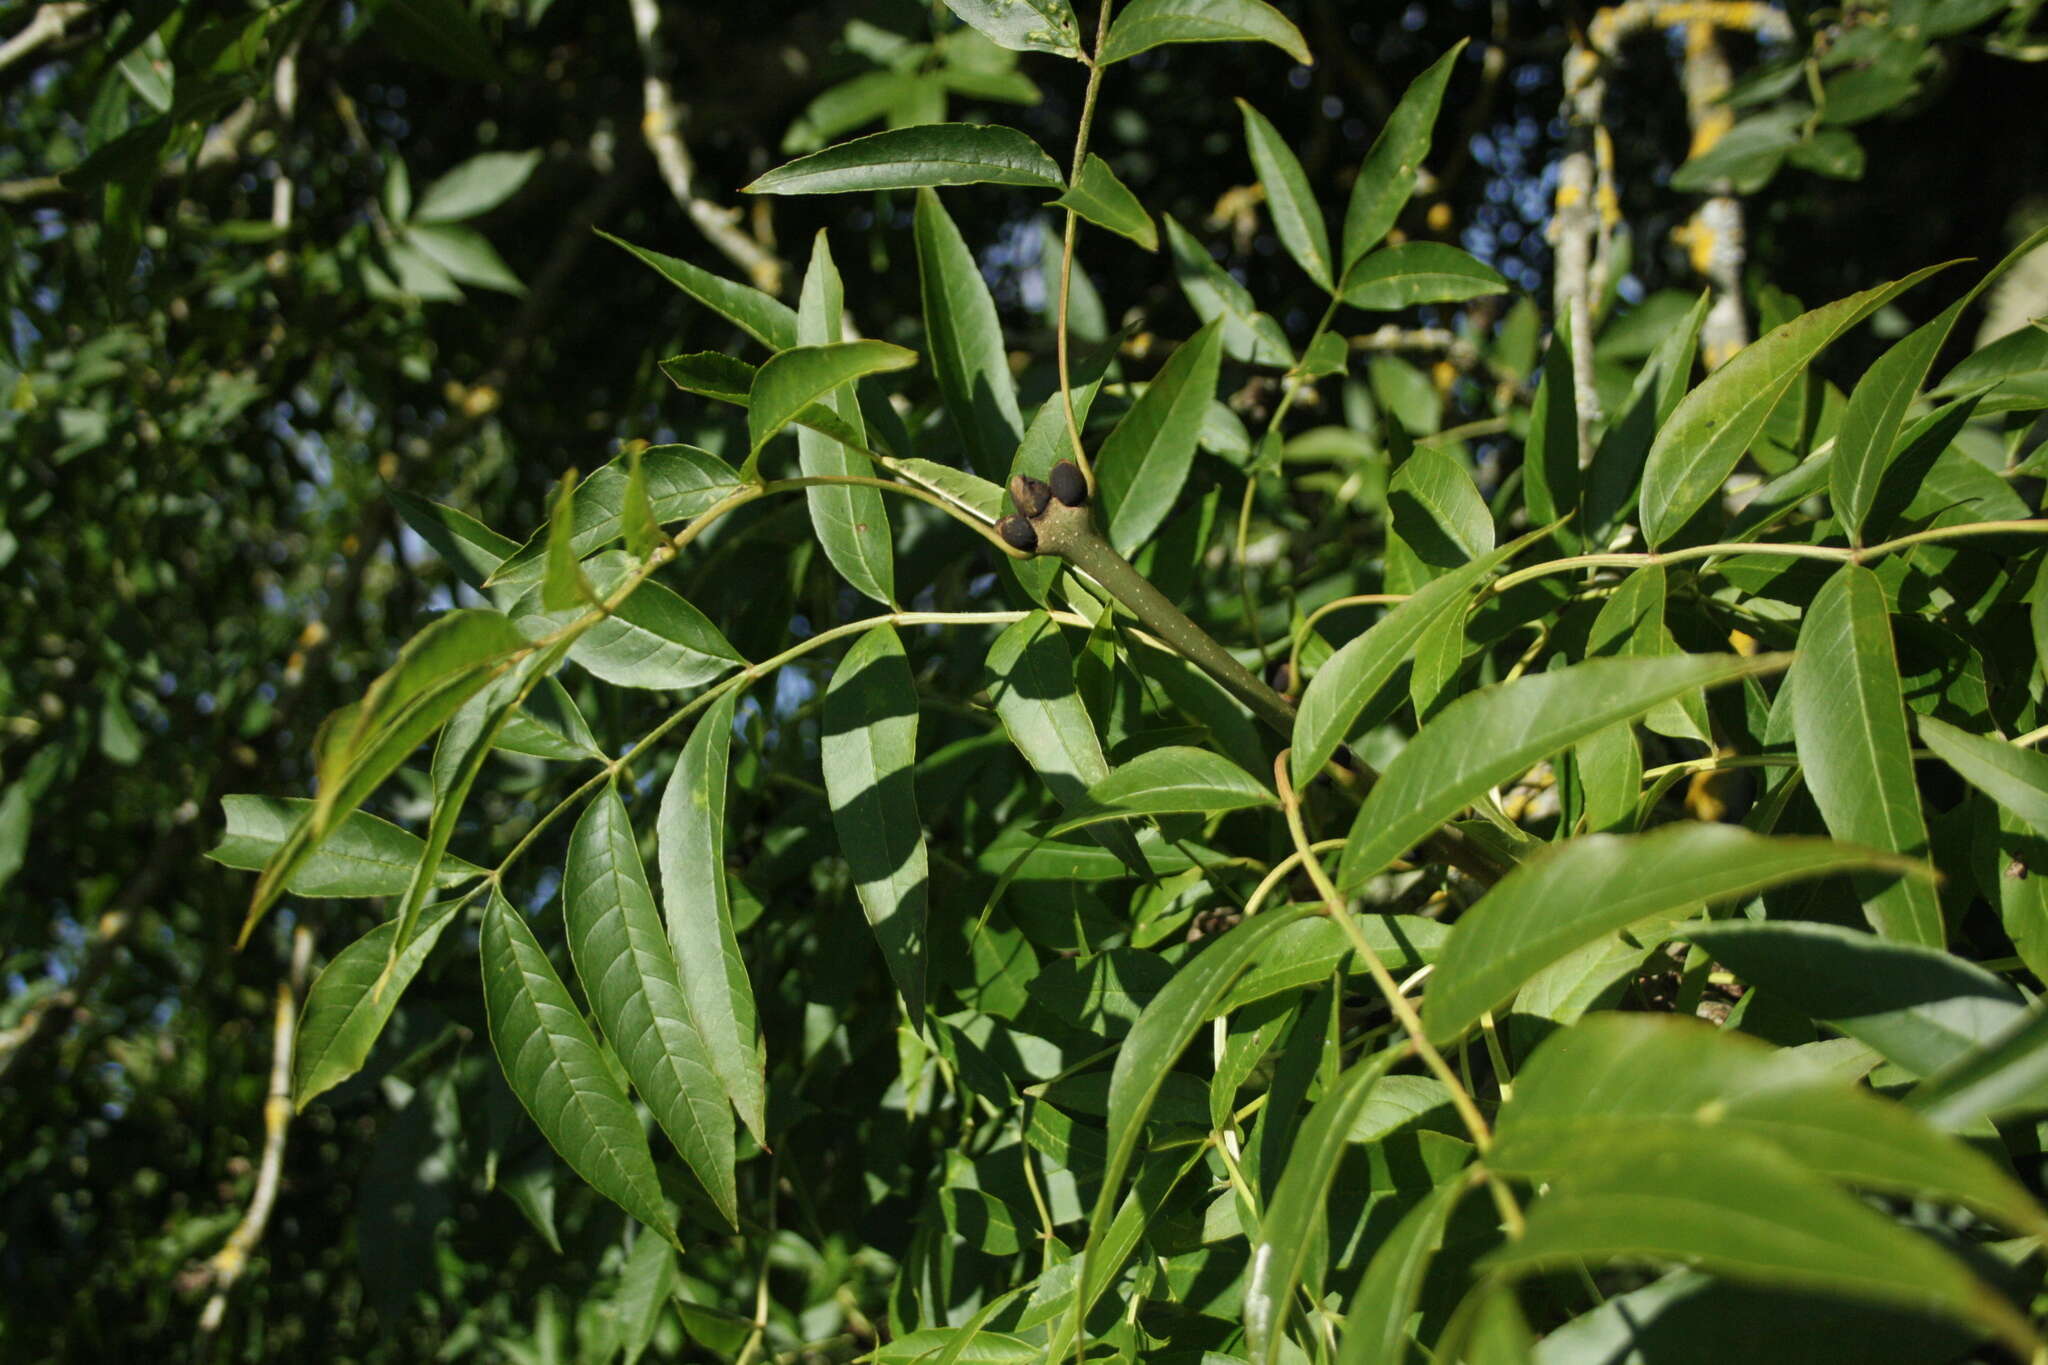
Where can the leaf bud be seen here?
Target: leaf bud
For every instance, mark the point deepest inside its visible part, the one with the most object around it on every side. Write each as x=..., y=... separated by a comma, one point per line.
x=1029, y=494
x=1018, y=534
x=1068, y=485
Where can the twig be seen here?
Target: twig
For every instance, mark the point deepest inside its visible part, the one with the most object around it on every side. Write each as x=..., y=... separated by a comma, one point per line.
x=47, y=26
x=225, y=1266
x=660, y=126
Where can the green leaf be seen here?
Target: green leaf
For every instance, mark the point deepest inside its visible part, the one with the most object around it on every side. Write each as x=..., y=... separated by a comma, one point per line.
x=1849, y=726
x=1217, y=295
x=681, y=482
x=638, y=527
x=1402, y=276
x=1920, y=1007
x=1340, y=699
x=691, y=837
x=1161, y=1034
x=909, y=158
x=1618, y=1075
x=629, y=973
x=969, y=358
x=1376, y=1320
x=1297, y=217
x=476, y=186
x=1140, y=469
x=1166, y=780
x=1574, y=893
x=1387, y=178
x=1295, y=1219
x=548, y=725
x=1308, y=952
x=1105, y=201
x=360, y=745
x=440, y=32
x=352, y=999
x=645, y=1287
x=1866, y=442
x=1146, y=24
x=472, y=550
x=1746, y=156
x=1486, y=737
x=652, y=639
x=1439, y=519
x=794, y=379
x=728, y=379
x=2000, y=1078
x=1713, y=425
x=761, y=316
x=2013, y=776
x=1551, y=475
x=870, y=747
x=562, y=585
x=1024, y=25
x=557, y=1069
x=363, y=856
x=1031, y=679
x=465, y=254
x=1738, y=1207
x=1631, y=624
x=851, y=522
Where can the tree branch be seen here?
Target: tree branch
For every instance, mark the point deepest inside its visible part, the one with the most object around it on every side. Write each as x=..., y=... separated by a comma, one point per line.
x=660, y=126
x=47, y=26
x=225, y=1266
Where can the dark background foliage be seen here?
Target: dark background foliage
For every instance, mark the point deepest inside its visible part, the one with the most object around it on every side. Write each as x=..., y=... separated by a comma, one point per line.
x=197, y=563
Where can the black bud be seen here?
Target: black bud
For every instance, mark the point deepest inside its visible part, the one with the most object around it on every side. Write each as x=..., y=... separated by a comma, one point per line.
x=1029, y=495
x=1018, y=534
x=1068, y=485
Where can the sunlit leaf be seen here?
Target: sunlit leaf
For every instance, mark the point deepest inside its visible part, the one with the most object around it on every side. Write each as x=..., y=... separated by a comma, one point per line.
x=1145, y=24
x=907, y=158
x=870, y=747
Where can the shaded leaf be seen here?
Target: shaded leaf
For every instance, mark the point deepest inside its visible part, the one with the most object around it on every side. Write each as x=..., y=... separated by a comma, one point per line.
x=1165, y=780
x=1141, y=468
x=1616, y=1075
x=1920, y=1007
x=2010, y=774
x=1738, y=1207
x=969, y=358
x=1107, y=202
x=1486, y=737
x=1216, y=295
x=352, y=999
x=555, y=1067
x=691, y=839
x=1574, y=893
x=629, y=973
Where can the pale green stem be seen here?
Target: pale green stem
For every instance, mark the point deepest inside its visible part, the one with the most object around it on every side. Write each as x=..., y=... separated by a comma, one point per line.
x=1404, y=1011
x=1067, y=246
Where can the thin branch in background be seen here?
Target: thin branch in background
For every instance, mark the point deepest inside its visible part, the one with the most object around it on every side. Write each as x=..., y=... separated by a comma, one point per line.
x=48, y=25
x=225, y=1266
x=1573, y=227
x=661, y=127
